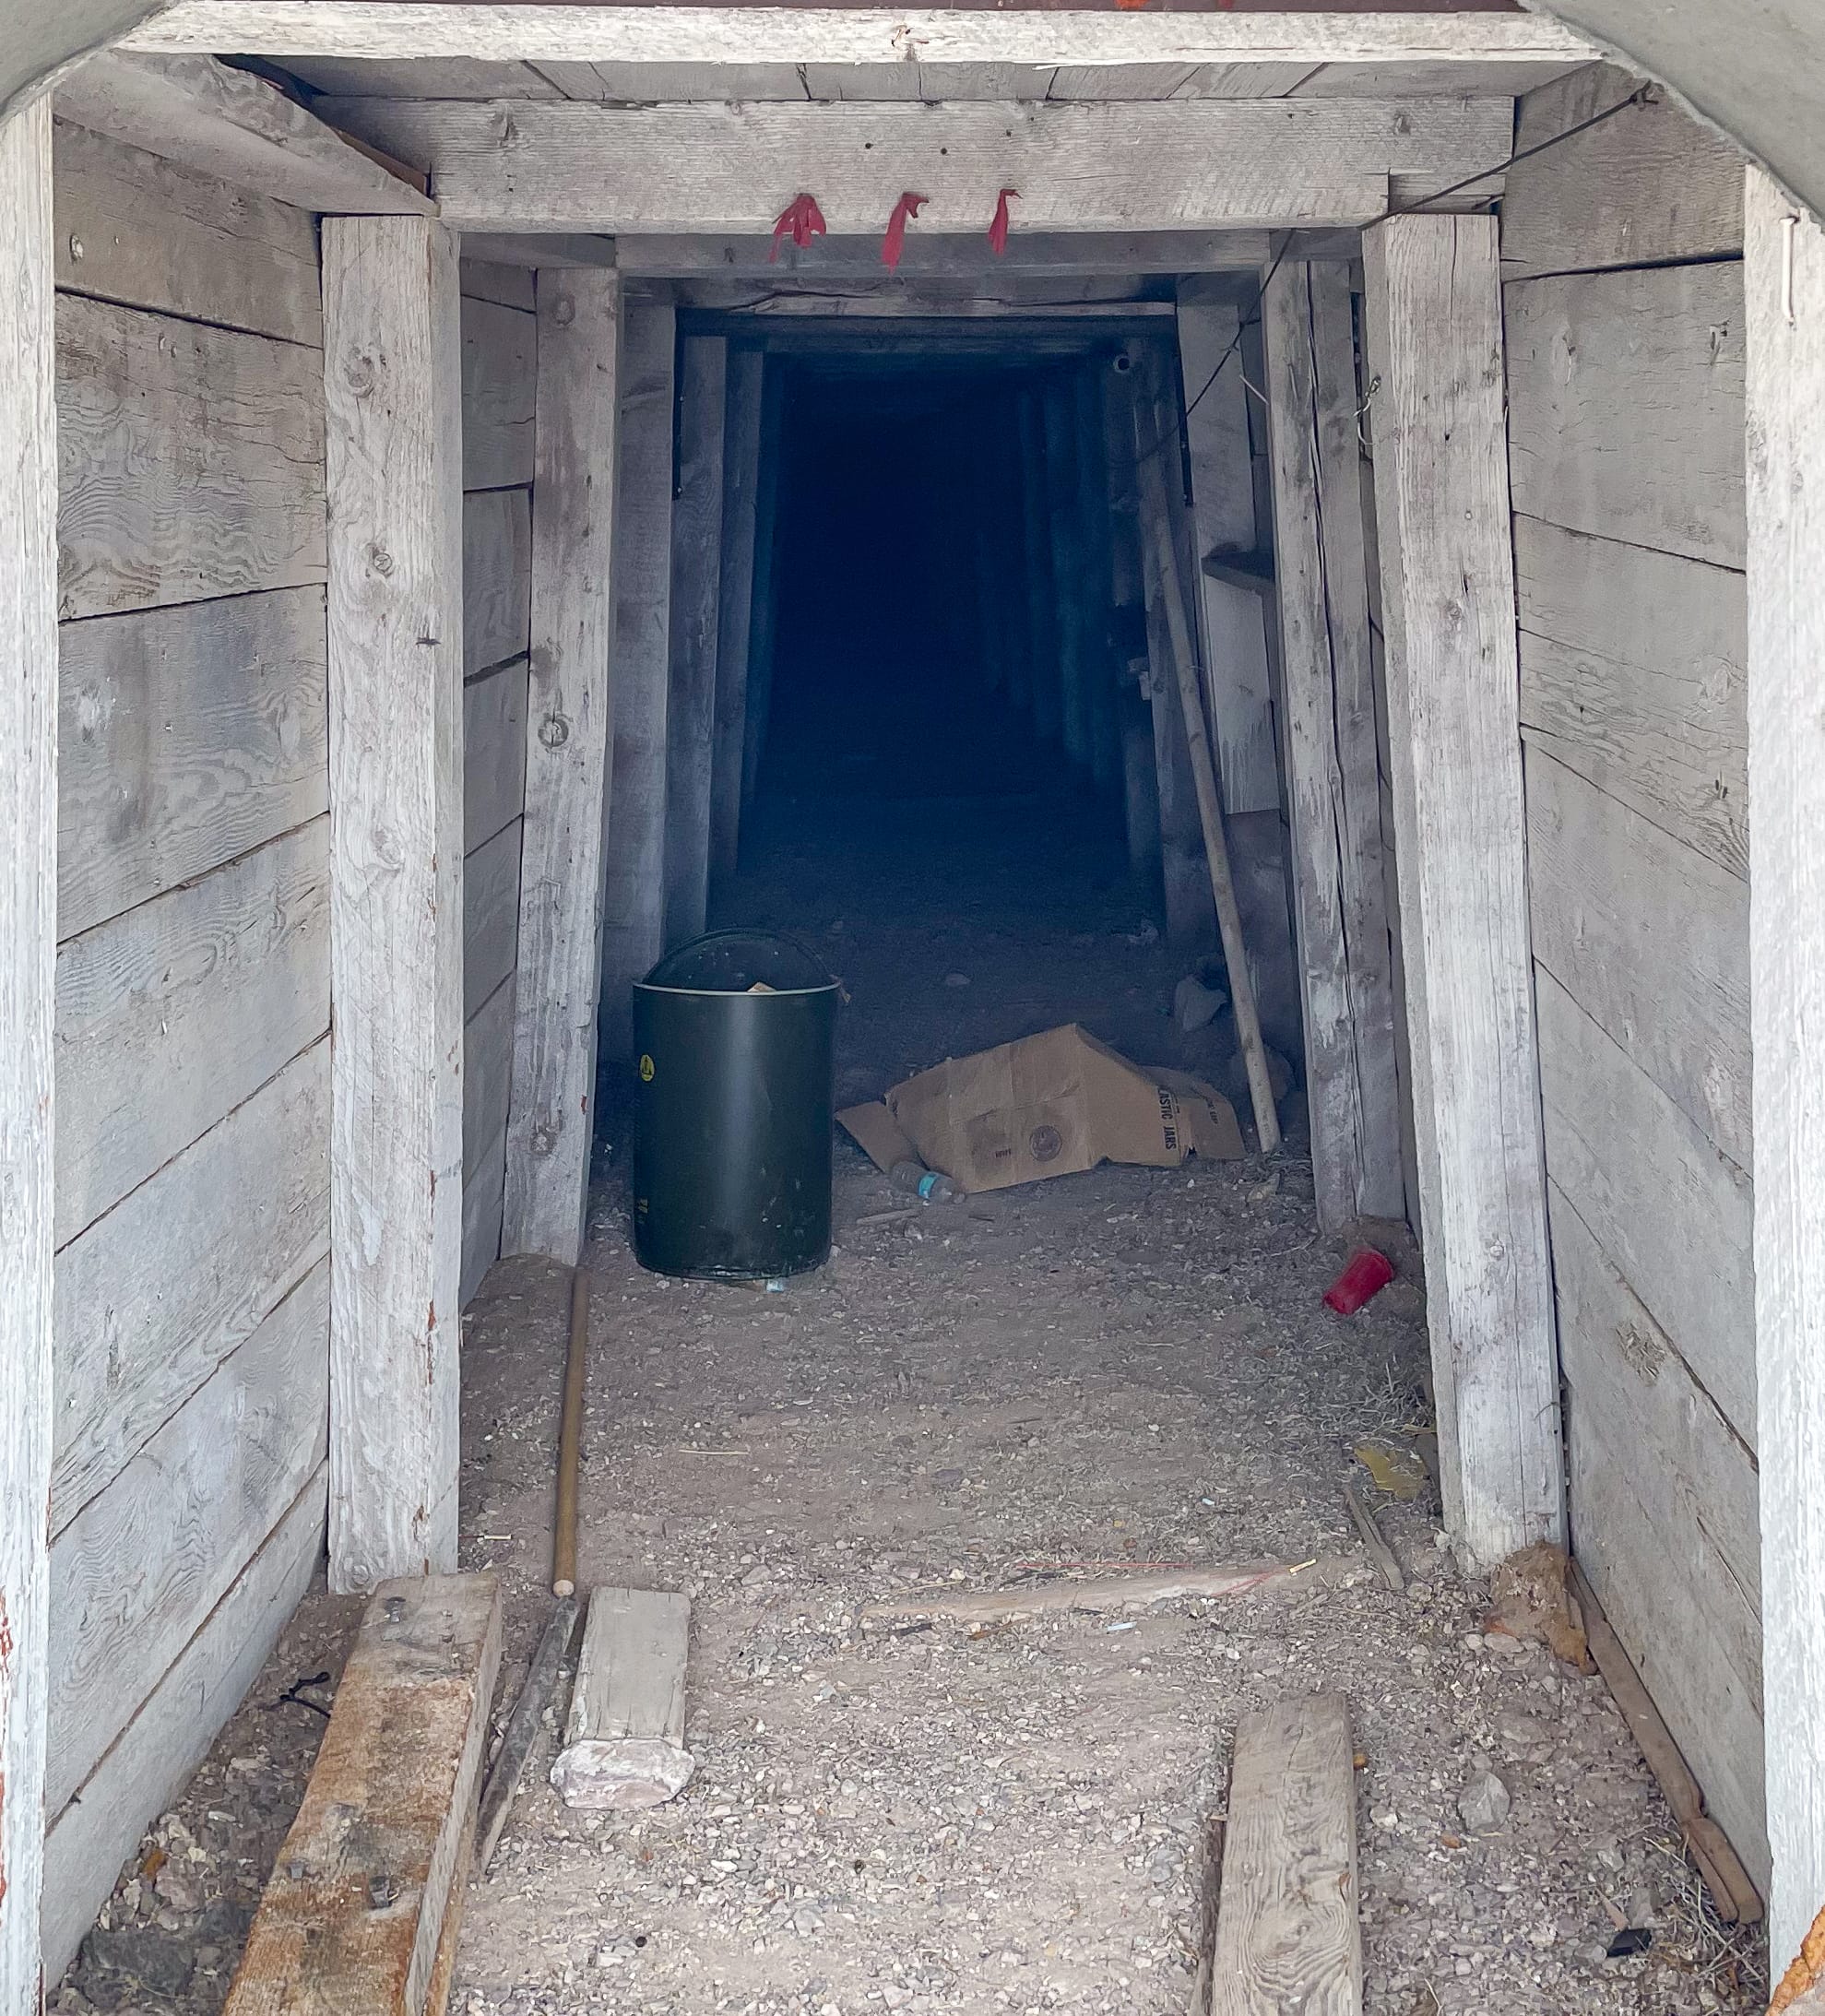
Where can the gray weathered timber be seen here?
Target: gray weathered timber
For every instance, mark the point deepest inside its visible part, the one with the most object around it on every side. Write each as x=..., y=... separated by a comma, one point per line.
x=493, y=751
x=1633, y=674
x=488, y=1077
x=219, y=253
x=499, y=374
x=766, y=586
x=735, y=602
x=509, y=282
x=1035, y=539
x=568, y=741
x=634, y=894
x=1626, y=414
x=393, y=379
x=1784, y=275
x=1435, y=339
x=625, y=1736
x=195, y=998
x=1064, y=528
x=27, y=951
x=1140, y=785
x=189, y=460
x=1091, y=505
x=1339, y=880
x=497, y=577
x=186, y=735
x=697, y=573
x=1287, y=1937
x=491, y=915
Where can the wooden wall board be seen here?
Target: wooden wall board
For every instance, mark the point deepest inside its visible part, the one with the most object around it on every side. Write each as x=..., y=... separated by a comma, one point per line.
x=491, y=915
x=484, y=1193
x=156, y=1294
x=735, y=603
x=216, y=254
x=437, y=77
x=190, y=460
x=489, y=279
x=186, y=735
x=88, y=1841
x=1650, y=185
x=1606, y=888
x=1626, y=413
x=1642, y=1176
x=140, y=1568
x=195, y=998
x=493, y=751
x=1633, y=674
x=488, y=1073
x=499, y=367
x=1070, y=563
x=497, y=577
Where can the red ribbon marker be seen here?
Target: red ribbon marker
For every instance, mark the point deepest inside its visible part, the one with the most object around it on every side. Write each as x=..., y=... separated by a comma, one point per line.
x=998, y=229
x=800, y=217
x=896, y=241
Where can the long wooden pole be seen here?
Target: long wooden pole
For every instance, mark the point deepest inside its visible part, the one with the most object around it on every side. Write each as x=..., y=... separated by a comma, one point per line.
x=1209, y=809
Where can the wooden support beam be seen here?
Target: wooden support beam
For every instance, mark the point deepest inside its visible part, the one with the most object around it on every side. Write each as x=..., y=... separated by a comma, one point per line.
x=1346, y=955
x=393, y=380
x=633, y=900
x=1035, y=539
x=1139, y=785
x=766, y=585
x=27, y=977
x=1031, y=255
x=1435, y=341
x=1197, y=164
x=1784, y=276
x=1064, y=526
x=237, y=126
x=540, y=248
x=551, y=1116
x=696, y=576
x=735, y=602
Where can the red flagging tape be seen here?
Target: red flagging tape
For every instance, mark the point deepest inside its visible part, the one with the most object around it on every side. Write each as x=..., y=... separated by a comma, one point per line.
x=998, y=229
x=800, y=217
x=896, y=241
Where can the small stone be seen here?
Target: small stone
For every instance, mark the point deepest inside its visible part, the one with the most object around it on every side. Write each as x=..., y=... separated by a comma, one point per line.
x=1484, y=1803
x=178, y=1888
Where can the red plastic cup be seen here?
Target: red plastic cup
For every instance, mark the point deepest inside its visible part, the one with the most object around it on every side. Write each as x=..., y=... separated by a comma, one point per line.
x=1368, y=1274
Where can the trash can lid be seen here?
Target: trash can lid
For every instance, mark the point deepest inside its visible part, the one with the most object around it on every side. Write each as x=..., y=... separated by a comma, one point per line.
x=736, y=962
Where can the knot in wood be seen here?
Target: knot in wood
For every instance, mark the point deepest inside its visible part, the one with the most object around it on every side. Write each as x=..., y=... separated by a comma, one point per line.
x=563, y=310
x=554, y=731
x=361, y=376
x=544, y=1139
x=379, y=558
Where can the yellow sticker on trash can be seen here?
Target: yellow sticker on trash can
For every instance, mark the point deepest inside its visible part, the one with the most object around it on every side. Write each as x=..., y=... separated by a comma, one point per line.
x=645, y=1070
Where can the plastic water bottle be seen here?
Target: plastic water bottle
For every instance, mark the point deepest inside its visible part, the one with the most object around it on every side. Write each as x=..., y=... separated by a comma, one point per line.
x=932, y=1185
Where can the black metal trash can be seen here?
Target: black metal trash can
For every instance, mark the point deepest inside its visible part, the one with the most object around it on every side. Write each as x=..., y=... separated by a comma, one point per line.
x=735, y=1042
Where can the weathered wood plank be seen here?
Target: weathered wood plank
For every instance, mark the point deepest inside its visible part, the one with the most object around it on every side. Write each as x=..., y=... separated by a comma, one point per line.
x=497, y=577
x=1649, y=184
x=1784, y=270
x=1204, y=164
x=1626, y=406
x=766, y=585
x=488, y=1072
x=567, y=744
x=393, y=371
x=624, y=1736
x=453, y=75
x=1605, y=886
x=1446, y=559
x=195, y=999
x=735, y=603
x=189, y=458
x=1675, y=1216
x=491, y=915
x=1633, y=674
x=214, y=253
x=28, y=942
x=493, y=751
x=490, y=279
x=154, y=1296
x=696, y=578
x=390, y=1801
x=1064, y=528
x=1030, y=256
x=1347, y=959
x=483, y=1195
x=186, y=735
x=500, y=370
x=633, y=898
x=1287, y=1929
x=138, y=1571
x=1037, y=552
x=87, y=1842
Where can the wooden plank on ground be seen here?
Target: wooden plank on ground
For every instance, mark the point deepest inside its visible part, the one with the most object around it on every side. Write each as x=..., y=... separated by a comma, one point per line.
x=735, y=603
x=186, y=735
x=491, y=915
x=1626, y=405
x=497, y=577
x=215, y=254
x=195, y=999
x=624, y=1737
x=1447, y=577
x=493, y=751
x=189, y=460
x=357, y=1902
x=500, y=370
x=1288, y=1935
x=567, y=743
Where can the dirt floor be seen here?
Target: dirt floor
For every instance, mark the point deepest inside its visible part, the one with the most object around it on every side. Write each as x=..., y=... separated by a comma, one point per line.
x=1105, y=1370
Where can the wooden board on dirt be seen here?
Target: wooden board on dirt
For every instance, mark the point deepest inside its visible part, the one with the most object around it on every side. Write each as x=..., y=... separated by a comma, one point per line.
x=624, y=1741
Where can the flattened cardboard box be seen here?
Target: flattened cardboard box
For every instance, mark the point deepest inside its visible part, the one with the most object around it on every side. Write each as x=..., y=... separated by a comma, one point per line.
x=1050, y=1105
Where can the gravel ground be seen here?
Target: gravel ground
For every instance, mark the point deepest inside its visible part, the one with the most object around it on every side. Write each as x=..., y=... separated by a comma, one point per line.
x=1104, y=1370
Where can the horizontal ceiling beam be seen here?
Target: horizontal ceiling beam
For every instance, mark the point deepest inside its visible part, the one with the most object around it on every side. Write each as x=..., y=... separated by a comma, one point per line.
x=1204, y=165
x=1030, y=254
x=534, y=33
x=738, y=307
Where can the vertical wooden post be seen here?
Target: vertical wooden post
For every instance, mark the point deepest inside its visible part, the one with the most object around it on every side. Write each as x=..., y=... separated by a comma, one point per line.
x=1346, y=955
x=766, y=586
x=1094, y=594
x=550, y=1117
x=1058, y=480
x=1140, y=785
x=393, y=389
x=1784, y=280
x=735, y=603
x=696, y=578
x=1454, y=697
x=1041, y=610
x=633, y=897
x=28, y=975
